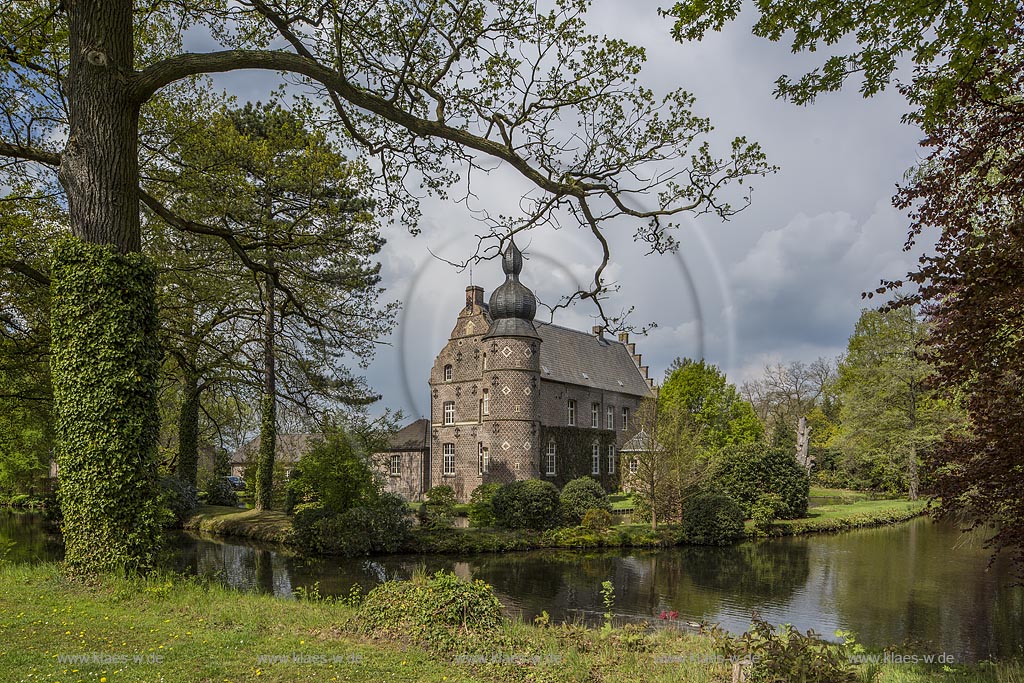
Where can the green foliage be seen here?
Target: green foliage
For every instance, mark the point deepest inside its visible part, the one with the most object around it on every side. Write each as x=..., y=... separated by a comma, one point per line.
x=442, y=612
x=527, y=504
x=574, y=446
x=438, y=512
x=596, y=519
x=746, y=472
x=712, y=519
x=178, y=498
x=579, y=496
x=787, y=655
x=714, y=407
x=765, y=511
x=220, y=492
x=481, y=509
x=381, y=525
x=608, y=599
x=105, y=365
x=336, y=472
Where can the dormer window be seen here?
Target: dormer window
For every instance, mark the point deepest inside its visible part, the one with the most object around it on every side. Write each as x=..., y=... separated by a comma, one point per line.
x=448, y=373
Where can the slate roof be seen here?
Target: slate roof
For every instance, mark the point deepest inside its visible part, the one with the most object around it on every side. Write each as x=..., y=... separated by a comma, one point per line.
x=576, y=357
x=642, y=442
x=412, y=437
x=290, y=447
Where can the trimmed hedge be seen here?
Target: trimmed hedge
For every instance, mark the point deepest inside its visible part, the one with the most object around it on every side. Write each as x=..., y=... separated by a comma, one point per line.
x=746, y=472
x=579, y=496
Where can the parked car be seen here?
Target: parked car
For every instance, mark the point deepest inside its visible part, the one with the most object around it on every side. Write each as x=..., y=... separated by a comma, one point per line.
x=237, y=483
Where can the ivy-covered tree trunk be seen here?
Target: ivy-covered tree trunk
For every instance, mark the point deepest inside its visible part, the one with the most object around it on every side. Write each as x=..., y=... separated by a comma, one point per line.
x=105, y=364
x=105, y=356
x=188, y=430
x=268, y=408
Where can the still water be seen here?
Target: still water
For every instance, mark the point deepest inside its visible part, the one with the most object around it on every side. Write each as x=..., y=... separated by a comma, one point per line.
x=922, y=586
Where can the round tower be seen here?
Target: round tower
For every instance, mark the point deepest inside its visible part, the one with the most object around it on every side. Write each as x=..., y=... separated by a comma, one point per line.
x=512, y=377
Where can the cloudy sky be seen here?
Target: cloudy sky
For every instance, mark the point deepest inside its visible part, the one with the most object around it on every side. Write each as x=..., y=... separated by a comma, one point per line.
x=779, y=282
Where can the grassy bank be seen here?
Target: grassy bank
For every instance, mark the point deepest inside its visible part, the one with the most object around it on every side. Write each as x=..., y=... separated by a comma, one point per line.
x=268, y=525
x=834, y=518
x=166, y=628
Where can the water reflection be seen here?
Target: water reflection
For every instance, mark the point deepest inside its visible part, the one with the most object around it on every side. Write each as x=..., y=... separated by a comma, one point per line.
x=918, y=583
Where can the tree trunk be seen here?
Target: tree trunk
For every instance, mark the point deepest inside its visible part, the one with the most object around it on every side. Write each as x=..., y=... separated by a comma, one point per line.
x=913, y=479
x=105, y=357
x=268, y=407
x=188, y=430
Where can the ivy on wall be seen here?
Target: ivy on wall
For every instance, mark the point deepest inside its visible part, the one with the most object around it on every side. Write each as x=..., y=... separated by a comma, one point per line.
x=574, y=450
x=105, y=363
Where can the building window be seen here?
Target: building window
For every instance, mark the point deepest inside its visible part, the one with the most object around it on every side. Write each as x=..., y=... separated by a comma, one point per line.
x=625, y=418
x=611, y=460
x=396, y=465
x=484, y=457
x=634, y=465
x=447, y=373
x=595, y=415
x=609, y=418
x=449, y=412
x=552, y=457
x=572, y=413
x=487, y=403
x=595, y=465
x=449, y=459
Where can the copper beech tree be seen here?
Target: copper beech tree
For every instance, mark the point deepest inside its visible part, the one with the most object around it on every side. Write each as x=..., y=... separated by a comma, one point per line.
x=432, y=92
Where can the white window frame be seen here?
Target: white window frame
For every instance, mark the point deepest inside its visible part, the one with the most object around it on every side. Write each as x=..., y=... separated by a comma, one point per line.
x=572, y=412
x=609, y=417
x=625, y=418
x=449, y=459
x=483, y=459
x=448, y=373
x=611, y=459
x=552, y=459
x=595, y=415
x=487, y=403
x=634, y=466
x=595, y=465
x=396, y=465
x=449, y=412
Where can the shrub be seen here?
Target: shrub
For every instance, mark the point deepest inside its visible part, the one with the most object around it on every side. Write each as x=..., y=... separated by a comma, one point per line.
x=596, y=519
x=438, y=511
x=580, y=495
x=712, y=519
x=765, y=511
x=337, y=472
x=788, y=655
x=178, y=498
x=481, y=509
x=219, y=492
x=528, y=504
x=380, y=526
x=441, y=611
x=745, y=472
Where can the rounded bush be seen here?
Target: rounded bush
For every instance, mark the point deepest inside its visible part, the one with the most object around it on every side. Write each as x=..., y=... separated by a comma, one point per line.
x=381, y=526
x=179, y=498
x=219, y=492
x=442, y=611
x=481, y=508
x=765, y=511
x=746, y=472
x=597, y=519
x=528, y=504
x=580, y=495
x=712, y=519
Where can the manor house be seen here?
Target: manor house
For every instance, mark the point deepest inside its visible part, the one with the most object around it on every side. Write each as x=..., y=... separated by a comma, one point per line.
x=513, y=398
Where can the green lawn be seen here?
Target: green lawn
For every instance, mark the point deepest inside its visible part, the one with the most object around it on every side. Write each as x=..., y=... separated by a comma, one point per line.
x=167, y=628
x=621, y=501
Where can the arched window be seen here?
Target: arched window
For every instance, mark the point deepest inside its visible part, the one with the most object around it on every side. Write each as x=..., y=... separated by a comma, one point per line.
x=448, y=373
x=551, y=459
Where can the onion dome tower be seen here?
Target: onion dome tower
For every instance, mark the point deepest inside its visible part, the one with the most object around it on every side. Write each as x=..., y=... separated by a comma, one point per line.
x=512, y=304
x=512, y=377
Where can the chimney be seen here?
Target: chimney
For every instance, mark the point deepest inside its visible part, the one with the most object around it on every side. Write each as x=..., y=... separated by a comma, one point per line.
x=474, y=296
x=598, y=331
x=624, y=337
